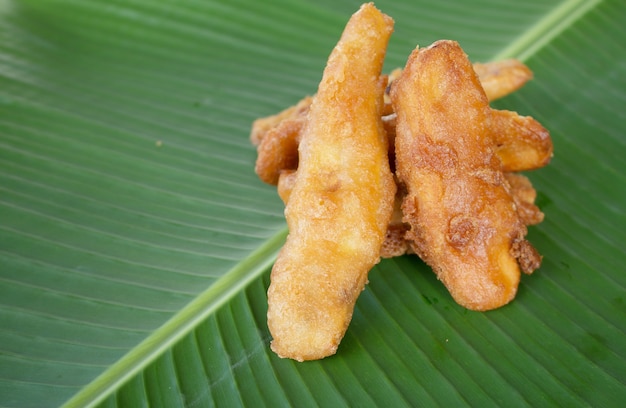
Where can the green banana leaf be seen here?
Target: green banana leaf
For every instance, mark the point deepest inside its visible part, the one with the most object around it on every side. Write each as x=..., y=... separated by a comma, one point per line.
x=136, y=240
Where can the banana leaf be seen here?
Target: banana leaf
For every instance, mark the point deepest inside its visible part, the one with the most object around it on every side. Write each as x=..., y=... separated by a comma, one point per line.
x=136, y=240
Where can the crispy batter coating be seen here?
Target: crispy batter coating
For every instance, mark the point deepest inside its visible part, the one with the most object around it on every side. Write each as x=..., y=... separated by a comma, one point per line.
x=279, y=150
x=277, y=138
x=524, y=196
x=464, y=222
x=500, y=78
x=394, y=244
x=262, y=126
x=341, y=201
x=521, y=142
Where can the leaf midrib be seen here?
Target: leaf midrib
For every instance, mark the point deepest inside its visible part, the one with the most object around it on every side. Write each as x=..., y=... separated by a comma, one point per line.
x=204, y=305
x=546, y=29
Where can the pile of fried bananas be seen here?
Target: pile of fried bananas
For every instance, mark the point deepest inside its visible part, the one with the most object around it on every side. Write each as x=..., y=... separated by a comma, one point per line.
x=380, y=165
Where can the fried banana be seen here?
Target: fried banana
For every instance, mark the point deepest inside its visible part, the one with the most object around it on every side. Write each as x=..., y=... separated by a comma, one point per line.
x=463, y=219
x=262, y=126
x=342, y=198
x=521, y=142
x=500, y=78
x=277, y=138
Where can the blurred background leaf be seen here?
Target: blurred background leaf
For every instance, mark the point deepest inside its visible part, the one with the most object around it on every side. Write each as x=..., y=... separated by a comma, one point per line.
x=136, y=240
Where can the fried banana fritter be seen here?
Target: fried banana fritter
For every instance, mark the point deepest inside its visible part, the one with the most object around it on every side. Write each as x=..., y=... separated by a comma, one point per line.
x=521, y=142
x=463, y=220
x=341, y=201
x=379, y=165
x=262, y=126
x=277, y=140
x=500, y=78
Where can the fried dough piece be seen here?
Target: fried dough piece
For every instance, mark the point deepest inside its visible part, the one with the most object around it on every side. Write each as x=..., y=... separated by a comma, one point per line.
x=278, y=150
x=524, y=196
x=500, y=78
x=463, y=220
x=262, y=126
x=341, y=201
x=277, y=138
x=394, y=243
x=521, y=142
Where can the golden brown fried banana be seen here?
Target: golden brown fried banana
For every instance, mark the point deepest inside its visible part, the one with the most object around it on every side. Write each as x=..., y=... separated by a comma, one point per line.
x=500, y=78
x=394, y=243
x=278, y=150
x=342, y=198
x=463, y=220
x=521, y=142
x=277, y=140
x=261, y=126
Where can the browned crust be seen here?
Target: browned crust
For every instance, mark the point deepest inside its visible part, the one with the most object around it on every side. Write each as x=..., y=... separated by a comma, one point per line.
x=341, y=201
